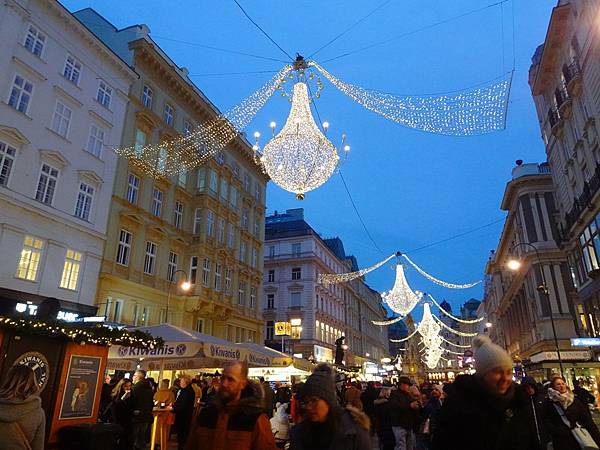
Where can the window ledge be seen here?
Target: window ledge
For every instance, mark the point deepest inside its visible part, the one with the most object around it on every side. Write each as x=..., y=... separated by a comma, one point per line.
x=105, y=107
x=59, y=135
x=22, y=114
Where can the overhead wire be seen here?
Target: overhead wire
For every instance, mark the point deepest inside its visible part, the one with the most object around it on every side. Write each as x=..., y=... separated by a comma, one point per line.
x=230, y=73
x=418, y=30
x=355, y=24
x=262, y=30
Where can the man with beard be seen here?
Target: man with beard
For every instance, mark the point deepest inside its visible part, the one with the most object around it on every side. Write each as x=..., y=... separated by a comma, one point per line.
x=236, y=420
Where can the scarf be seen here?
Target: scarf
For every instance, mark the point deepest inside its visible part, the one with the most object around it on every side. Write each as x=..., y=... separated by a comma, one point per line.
x=565, y=400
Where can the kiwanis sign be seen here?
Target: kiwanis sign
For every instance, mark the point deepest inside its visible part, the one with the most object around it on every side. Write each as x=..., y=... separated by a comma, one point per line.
x=169, y=350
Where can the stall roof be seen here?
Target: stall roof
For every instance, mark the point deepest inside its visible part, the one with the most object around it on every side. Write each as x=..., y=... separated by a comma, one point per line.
x=175, y=334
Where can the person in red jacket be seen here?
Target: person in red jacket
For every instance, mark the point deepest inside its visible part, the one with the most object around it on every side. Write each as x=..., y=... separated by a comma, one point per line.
x=236, y=421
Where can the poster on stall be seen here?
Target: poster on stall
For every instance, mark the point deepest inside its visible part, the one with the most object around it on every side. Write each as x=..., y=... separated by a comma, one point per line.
x=80, y=387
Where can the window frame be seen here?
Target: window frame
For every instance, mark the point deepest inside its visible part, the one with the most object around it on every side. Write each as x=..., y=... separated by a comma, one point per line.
x=37, y=38
x=32, y=259
x=71, y=72
x=7, y=162
x=71, y=270
x=22, y=92
x=49, y=177
x=150, y=258
x=104, y=92
x=124, y=247
x=85, y=199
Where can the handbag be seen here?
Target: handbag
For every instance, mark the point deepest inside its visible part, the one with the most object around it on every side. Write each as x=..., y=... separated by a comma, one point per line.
x=580, y=434
x=23, y=437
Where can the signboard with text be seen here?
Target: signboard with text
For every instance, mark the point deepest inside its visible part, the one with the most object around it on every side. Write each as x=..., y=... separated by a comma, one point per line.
x=283, y=328
x=80, y=388
x=585, y=342
x=569, y=355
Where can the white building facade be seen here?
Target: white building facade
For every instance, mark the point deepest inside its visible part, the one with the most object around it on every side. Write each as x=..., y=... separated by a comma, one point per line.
x=63, y=96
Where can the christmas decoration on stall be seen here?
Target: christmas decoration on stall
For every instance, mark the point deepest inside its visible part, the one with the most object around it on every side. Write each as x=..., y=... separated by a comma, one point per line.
x=82, y=334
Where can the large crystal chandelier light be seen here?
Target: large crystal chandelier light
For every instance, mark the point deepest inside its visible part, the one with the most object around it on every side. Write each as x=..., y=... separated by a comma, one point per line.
x=401, y=299
x=300, y=158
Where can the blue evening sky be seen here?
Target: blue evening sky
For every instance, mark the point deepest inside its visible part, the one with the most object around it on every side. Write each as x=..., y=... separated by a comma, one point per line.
x=411, y=188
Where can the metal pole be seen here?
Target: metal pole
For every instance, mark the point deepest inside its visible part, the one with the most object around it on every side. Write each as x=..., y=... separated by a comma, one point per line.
x=168, y=301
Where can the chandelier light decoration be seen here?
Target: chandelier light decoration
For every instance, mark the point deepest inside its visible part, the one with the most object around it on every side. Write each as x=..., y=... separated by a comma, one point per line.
x=428, y=328
x=300, y=158
x=437, y=281
x=401, y=299
x=470, y=112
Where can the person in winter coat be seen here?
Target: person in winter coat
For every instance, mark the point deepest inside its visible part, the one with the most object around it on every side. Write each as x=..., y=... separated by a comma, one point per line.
x=429, y=415
x=352, y=396
x=562, y=402
x=120, y=412
x=368, y=398
x=236, y=420
x=382, y=416
x=484, y=403
x=328, y=426
x=140, y=402
x=404, y=410
x=280, y=423
x=22, y=419
x=268, y=397
x=164, y=396
x=184, y=410
x=531, y=413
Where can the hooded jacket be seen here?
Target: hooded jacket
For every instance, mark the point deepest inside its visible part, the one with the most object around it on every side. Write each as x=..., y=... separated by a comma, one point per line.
x=562, y=439
x=241, y=426
x=490, y=419
x=350, y=431
x=29, y=415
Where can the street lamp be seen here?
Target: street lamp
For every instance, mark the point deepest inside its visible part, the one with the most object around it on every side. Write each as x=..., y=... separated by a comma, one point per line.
x=488, y=324
x=514, y=265
x=185, y=286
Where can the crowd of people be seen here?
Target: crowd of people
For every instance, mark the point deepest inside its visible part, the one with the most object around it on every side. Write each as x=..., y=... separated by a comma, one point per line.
x=484, y=411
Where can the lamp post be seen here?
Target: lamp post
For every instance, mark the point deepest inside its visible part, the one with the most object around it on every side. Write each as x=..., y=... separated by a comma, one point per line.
x=514, y=265
x=185, y=286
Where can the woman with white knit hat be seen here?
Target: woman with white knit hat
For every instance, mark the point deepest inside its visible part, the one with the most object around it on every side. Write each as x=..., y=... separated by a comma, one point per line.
x=479, y=411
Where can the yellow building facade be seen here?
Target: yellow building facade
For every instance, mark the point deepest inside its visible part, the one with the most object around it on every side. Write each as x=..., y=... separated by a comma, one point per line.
x=205, y=226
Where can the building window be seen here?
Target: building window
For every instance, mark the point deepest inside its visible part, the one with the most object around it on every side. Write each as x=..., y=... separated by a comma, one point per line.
x=172, y=266
x=210, y=221
x=61, y=119
x=72, y=70
x=270, y=301
x=187, y=127
x=296, y=250
x=247, y=182
x=197, y=220
x=296, y=273
x=221, y=230
x=590, y=246
x=140, y=141
x=7, y=159
x=227, y=280
x=269, y=330
x=212, y=182
x=157, y=199
x=133, y=185
x=145, y=315
x=200, y=325
x=150, y=258
x=104, y=94
x=257, y=192
x=147, y=94
x=271, y=276
x=271, y=251
x=46, y=184
x=182, y=179
x=201, y=181
x=71, y=268
x=168, y=114
x=178, y=215
x=256, y=225
x=84, y=201
x=245, y=219
x=230, y=236
x=161, y=163
x=35, y=41
x=242, y=293
x=242, y=256
x=233, y=197
x=206, y=272
x=224, y=191
x=193, y=269
x=95, y=140
x=118, y=310
x=220, y=158
x=217, y=277
x=254, y=257
x=124, y=248
x=295, y=299
x=136, y=315
x=296, y=328
x=252, y=297
x=30, y=258
x=20, y=94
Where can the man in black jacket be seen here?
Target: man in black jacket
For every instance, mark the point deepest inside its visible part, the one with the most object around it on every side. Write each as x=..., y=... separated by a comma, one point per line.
x=140, y=402
x=184, y=410
x=404, y=414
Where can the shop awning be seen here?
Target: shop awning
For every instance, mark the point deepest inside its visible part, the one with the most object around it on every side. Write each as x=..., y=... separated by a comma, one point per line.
x=259, y=355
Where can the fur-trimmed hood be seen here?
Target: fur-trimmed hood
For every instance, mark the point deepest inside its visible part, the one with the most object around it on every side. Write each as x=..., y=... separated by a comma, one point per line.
x=359, y=417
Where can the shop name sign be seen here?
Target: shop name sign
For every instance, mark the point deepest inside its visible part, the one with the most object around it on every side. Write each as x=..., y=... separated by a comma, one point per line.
x=259, y=359
x=169, y=350
x=572, y=355
x=216, y=351
x=585, y=342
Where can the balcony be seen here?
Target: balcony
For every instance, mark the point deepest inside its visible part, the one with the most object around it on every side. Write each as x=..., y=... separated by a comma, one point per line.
x=556, y=123
x=590, y=188
x=564, y=103
x=572, y=74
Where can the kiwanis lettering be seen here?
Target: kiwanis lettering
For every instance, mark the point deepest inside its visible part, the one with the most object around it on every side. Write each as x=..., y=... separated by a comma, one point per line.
x=259, y=359
x=167, y=350
x=227, y=353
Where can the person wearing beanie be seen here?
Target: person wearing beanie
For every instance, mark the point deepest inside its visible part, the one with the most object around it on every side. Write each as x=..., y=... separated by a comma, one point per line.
x=405, y=414
x=531, y=414
x=484, y=403
x=562, y=407
x=326, y=424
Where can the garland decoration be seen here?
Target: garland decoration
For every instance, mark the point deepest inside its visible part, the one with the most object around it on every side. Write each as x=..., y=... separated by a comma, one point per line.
x=334, y=278
x=91, y=334
x=406, y=338
x=451, y=316
x=388, y=321
x=452, y=343
x=452, y=330
x=438, y=281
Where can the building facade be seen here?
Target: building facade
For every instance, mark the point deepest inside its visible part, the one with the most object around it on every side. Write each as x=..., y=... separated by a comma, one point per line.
x=295, y=255
x=64, y=95
x=516, y=304
x=565, y=85
x=205, y=226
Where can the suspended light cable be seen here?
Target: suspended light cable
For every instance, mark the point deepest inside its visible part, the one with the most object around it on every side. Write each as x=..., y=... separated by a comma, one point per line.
x=452, y=330
x=452, y=343
x=438, y=281
x=387, y=322
x=451, y=316
x=406, y=338
x=334, y=278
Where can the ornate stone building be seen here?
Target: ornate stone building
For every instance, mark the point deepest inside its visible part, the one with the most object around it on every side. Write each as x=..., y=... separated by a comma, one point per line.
x=204, y=226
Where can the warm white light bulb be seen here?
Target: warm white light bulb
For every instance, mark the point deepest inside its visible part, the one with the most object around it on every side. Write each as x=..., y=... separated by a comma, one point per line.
x=514, y=264
x=272, y=124
x=325, y=125
x=256, y=134
x=255, y=147
x=346, y=148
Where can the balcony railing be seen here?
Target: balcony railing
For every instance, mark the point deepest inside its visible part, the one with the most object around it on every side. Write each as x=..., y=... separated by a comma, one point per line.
x=590, y=188
x=555, y=121
x=571, y=71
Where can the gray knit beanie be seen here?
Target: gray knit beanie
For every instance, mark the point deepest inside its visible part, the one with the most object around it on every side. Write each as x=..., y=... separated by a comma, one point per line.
x=489, y=356
x=321, y=383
